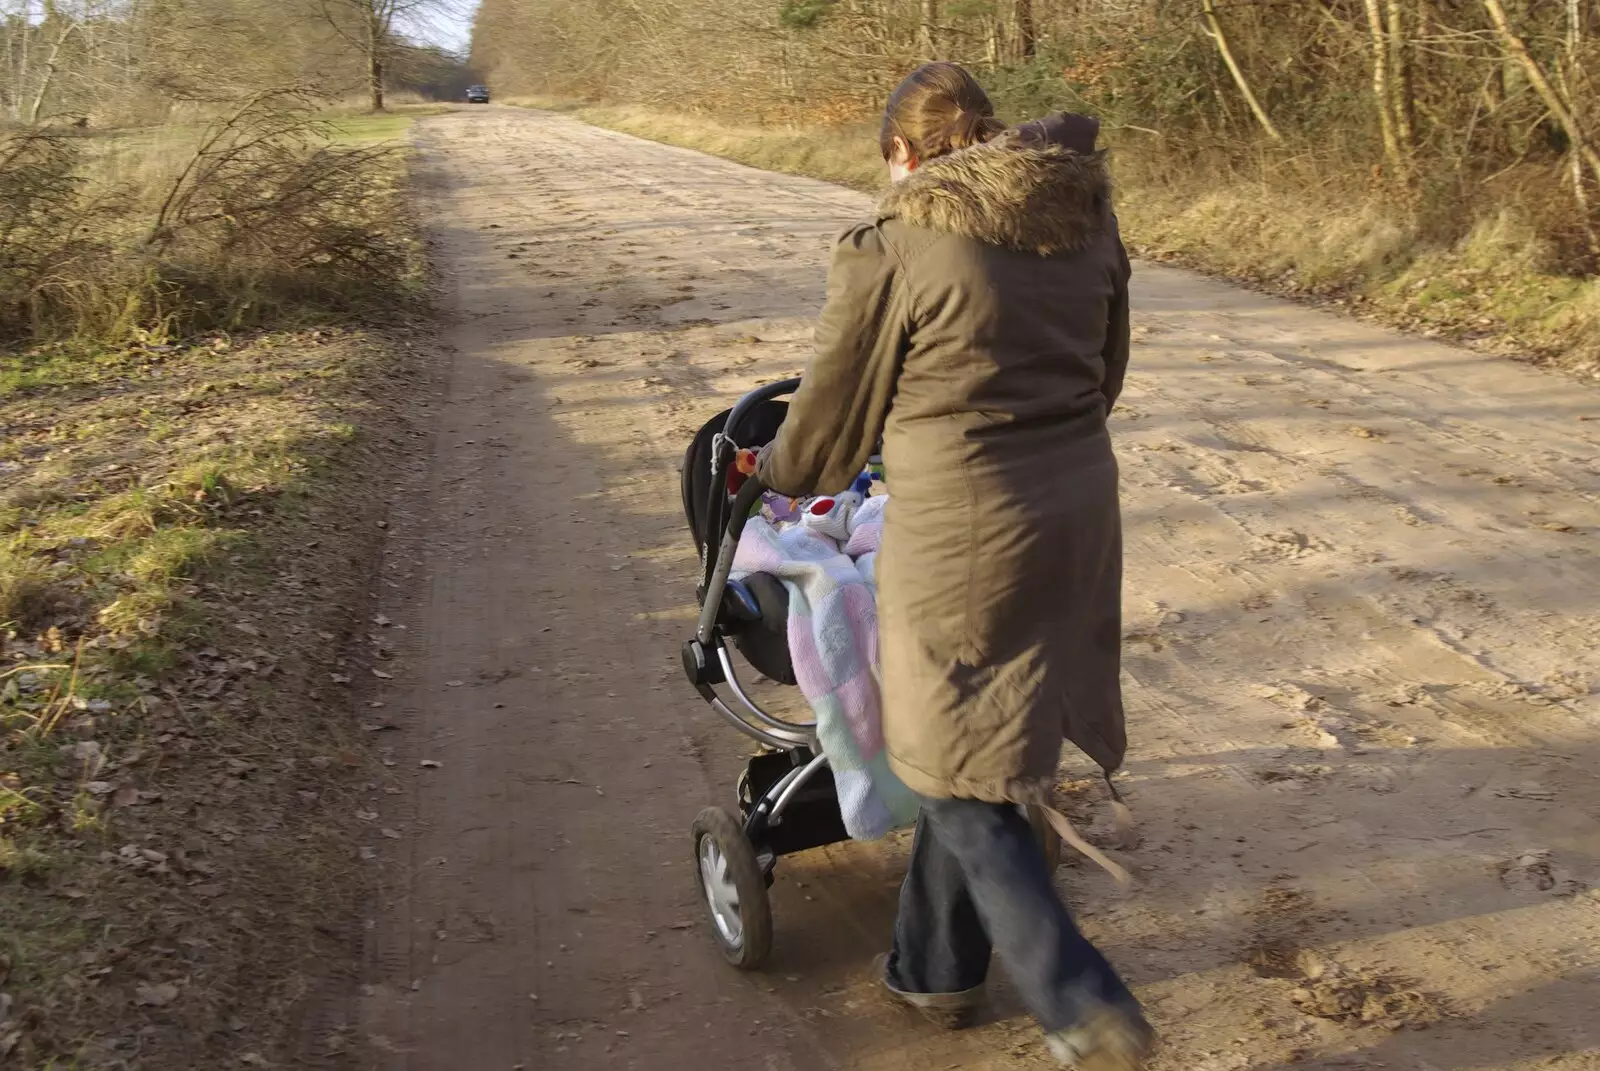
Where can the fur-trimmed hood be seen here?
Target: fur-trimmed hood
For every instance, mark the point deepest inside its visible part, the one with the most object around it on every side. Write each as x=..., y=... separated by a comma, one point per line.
x=1040, y=187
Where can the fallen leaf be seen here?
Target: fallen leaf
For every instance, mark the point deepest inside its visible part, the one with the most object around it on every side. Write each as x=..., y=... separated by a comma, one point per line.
x=392, y=834
x=155, y=996
x=126, y=795
x=454, y=684
x=382, y=676
x=367, y=853
x=430, y=764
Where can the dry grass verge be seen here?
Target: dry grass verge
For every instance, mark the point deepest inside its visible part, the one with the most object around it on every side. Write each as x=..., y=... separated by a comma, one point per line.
x=185, y=562
x=250, y=217
x=188, y=529
x=1298, y=234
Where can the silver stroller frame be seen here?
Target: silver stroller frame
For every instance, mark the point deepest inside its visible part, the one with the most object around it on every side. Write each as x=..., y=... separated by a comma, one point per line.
x=786, y=798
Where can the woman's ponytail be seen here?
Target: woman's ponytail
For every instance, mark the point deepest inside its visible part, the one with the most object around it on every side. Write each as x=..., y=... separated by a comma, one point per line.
x=938, y=109
x=971, y=128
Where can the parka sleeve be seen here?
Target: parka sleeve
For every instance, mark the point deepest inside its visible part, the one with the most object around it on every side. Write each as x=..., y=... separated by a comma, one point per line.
x=1118, y=329
x=837, y=415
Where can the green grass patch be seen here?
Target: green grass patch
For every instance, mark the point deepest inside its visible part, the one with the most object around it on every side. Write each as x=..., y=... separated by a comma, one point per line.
x=374, y=128
x=149, y=498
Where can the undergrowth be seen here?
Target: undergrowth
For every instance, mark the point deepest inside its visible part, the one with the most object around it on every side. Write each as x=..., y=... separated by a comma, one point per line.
x=257, y=217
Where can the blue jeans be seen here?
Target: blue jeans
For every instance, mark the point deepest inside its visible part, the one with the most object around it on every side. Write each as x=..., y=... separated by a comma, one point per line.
x=977, y=884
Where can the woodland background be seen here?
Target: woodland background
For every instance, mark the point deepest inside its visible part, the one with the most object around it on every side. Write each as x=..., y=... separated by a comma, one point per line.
x=1433, y=158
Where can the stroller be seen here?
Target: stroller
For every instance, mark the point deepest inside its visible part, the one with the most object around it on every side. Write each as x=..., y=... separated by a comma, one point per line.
x=785, y=796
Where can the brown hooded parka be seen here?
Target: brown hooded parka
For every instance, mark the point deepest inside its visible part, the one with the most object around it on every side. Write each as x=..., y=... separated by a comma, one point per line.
x=979, y=324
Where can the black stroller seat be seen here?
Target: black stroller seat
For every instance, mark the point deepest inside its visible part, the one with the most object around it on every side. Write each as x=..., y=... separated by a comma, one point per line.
x=763, y=633
x=755, y=610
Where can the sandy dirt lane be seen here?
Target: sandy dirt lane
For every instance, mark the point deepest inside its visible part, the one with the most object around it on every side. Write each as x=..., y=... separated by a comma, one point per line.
x=1362, y=610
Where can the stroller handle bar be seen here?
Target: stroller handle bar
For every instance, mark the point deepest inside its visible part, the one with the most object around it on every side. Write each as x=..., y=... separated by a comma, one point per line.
x=707, y=658
x=719, y=555
x=747, y=404
x=750, y=493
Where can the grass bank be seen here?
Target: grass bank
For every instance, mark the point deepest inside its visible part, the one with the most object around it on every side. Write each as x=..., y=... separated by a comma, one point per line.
x=1291, y=230
x=190, y=514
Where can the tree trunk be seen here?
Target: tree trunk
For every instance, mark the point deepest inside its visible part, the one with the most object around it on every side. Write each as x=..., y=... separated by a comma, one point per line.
x=1558, y=107
x=1027, y=30
x=928, y=30
x=375, y=45
x=1403, y=94
x=375, y=80
x=1574, y=83
x=1215, y=27
x=49, y=74
x=21, y=89
x=1380, y=87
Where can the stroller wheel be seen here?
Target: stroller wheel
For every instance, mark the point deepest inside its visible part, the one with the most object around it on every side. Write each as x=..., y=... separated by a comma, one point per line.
x=1049, y=840
x=733, y=888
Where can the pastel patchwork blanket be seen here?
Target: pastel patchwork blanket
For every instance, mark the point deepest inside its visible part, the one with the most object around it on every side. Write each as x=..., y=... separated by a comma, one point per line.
x=823, y=550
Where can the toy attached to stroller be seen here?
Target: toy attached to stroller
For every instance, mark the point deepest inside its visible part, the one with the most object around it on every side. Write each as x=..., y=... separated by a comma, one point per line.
x=786, y=799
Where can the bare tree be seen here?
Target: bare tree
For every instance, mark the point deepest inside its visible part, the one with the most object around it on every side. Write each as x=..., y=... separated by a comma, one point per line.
x=1402, y=97
x=1380, y=86
x=1560, y=108
x=19, y=38
x=1027, y=30
x=64, y=28
x=1214, y=28
x=928, y=29
x=371, y=28
x=1574, y=85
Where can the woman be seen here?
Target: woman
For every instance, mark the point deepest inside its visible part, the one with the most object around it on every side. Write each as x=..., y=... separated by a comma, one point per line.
x=979, y=324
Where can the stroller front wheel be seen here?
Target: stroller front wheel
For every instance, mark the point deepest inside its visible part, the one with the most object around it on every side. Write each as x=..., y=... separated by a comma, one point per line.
x=733, y=889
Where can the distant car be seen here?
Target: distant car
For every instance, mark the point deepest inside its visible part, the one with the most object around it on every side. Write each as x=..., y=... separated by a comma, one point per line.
x=477, y=94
